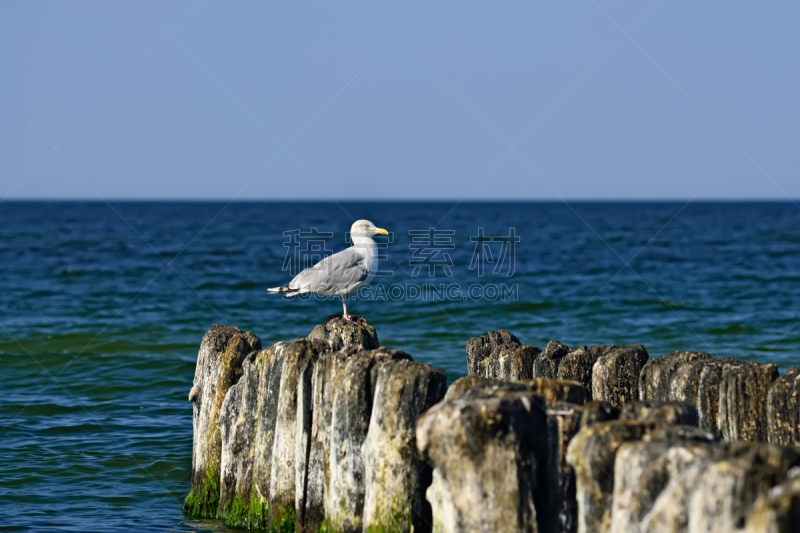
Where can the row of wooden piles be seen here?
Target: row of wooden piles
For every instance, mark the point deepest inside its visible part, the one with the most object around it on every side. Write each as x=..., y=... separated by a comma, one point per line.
x=314, y=434
x=333, y=433
x=678, y=443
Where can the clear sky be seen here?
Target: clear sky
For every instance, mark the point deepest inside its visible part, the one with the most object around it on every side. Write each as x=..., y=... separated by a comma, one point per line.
x=475, y=100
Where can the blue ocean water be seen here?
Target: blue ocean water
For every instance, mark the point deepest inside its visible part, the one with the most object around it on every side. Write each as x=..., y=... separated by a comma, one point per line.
x=104, y=306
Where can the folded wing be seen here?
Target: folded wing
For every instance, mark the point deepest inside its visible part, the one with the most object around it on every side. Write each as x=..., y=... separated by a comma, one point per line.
x=340, y=273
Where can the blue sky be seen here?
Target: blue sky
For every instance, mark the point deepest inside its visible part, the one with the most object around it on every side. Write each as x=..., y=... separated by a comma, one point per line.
x=268, y=100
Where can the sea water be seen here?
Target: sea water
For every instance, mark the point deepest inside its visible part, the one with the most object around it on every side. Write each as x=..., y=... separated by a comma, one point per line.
x=103, y=307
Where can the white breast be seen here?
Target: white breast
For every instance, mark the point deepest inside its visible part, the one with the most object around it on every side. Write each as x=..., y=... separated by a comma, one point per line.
x=367, y=247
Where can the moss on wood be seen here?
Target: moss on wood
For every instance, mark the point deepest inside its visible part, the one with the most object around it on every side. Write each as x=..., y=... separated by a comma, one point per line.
x=203, y=501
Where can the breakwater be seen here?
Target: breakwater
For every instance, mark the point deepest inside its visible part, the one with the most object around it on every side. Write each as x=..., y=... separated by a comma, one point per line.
x=335, y=433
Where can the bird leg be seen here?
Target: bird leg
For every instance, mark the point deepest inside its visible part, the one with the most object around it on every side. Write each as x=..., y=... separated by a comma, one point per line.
x=347, y=317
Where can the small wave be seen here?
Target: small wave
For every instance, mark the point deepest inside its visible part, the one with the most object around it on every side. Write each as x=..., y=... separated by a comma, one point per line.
x=667, y=305
x=246, y=285
x=78, y=428
x=168, y=255
x=71, y=272
x=521, y=307
x=732, y=329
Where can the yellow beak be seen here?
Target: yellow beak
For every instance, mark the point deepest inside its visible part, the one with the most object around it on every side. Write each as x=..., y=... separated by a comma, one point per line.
x=381, y=231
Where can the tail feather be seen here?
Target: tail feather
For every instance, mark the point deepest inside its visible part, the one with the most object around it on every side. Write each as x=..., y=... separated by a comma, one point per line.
x=283, y=290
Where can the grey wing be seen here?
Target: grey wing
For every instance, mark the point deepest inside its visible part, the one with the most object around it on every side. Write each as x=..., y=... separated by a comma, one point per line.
x=339, y=273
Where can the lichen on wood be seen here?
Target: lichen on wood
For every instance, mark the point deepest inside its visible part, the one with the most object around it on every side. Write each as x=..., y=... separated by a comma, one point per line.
x=484, y=454
x=783, y=409
x=615, y=375
x=342, y=333
x=219, y=367
x=657, y=373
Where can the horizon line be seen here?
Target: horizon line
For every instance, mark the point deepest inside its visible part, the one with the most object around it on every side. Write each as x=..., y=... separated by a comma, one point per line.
x=406, y=200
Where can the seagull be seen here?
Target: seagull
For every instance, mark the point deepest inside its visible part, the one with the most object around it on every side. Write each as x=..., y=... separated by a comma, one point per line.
x=342, y=273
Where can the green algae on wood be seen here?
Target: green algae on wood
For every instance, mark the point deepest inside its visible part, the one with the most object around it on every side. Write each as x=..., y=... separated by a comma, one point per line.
x=259, y=431
x=254, y=514
x=203, y=498
x=398, y=521
x=219, y=363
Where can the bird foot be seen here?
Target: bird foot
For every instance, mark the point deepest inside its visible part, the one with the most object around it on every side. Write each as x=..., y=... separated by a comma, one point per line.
x=349, y=318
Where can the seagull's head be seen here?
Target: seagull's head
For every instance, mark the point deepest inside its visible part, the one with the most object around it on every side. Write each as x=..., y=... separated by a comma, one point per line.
x=365, y=228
